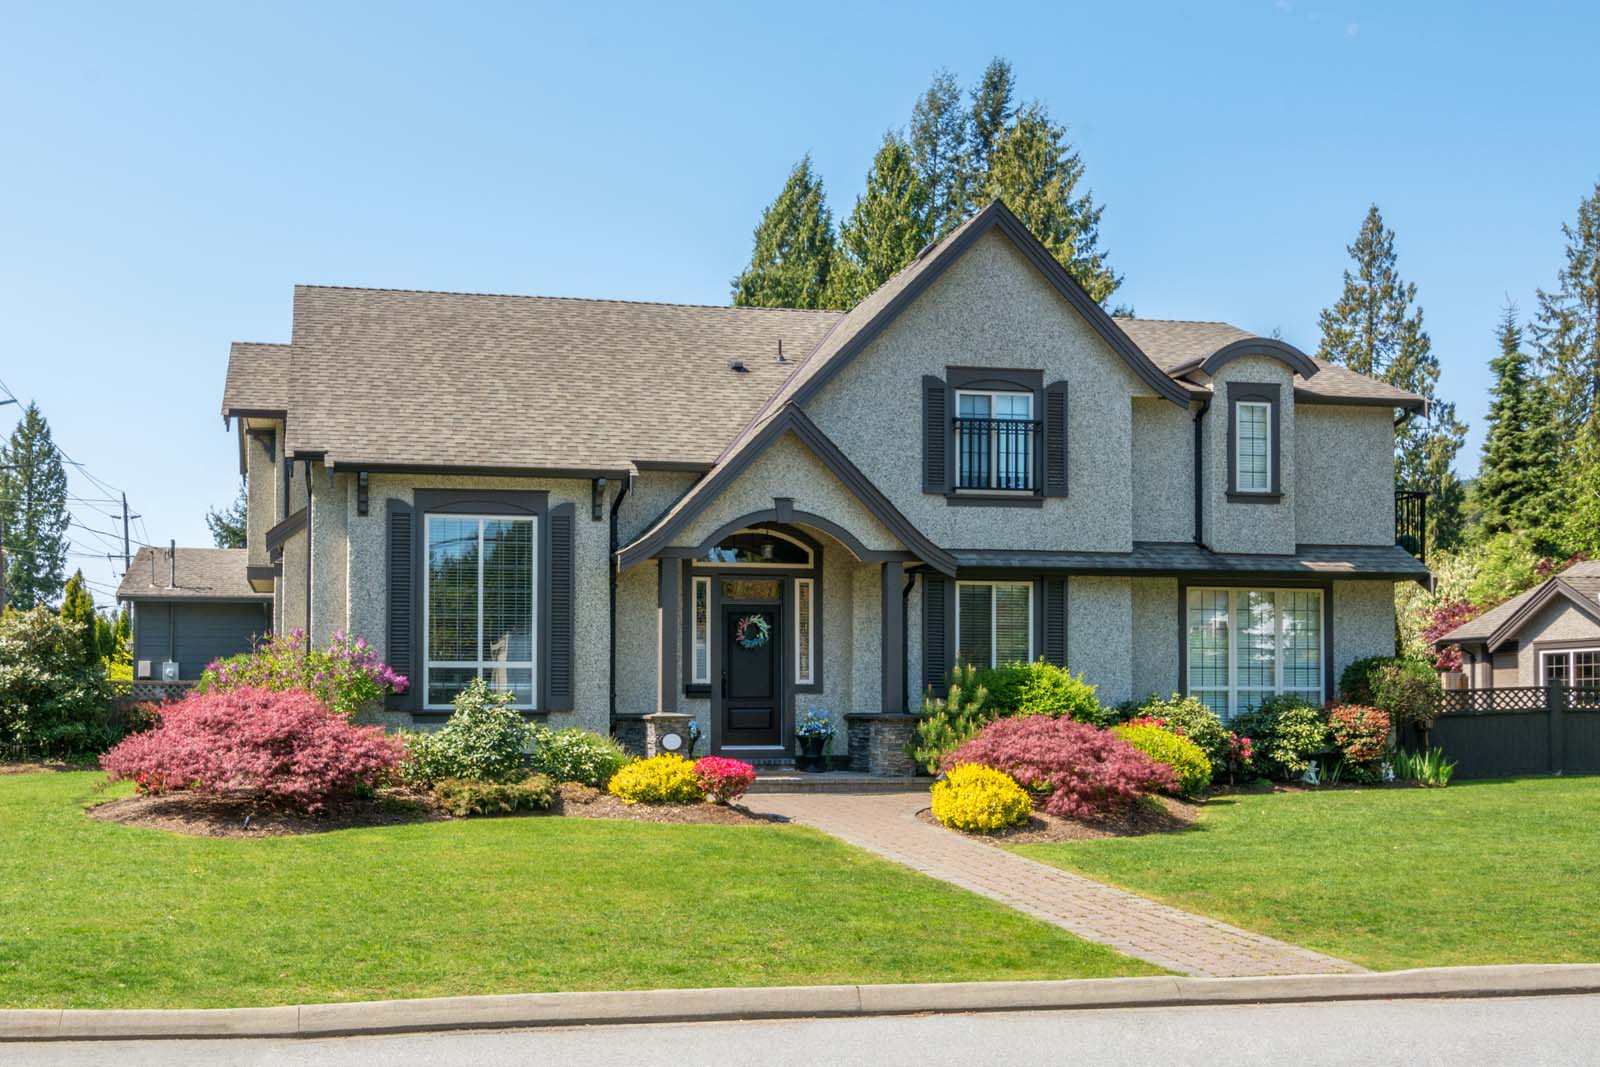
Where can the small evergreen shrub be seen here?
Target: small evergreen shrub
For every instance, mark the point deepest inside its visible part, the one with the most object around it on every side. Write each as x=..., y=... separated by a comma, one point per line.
x=484, y=740
x=284, y=747
x=1357, y=680
x=54, y=697
x=576, y=755
x=1040, y=688
x=723, y=780
x=1288, y=733
x=347, y=676
x=664, y=779
x=1085, y=771
x=1189, y=717
x=462, y=797
x=1189, y=764
x=1361, y=735
x=1409, y=690
x=947, y=723
x=978, y=799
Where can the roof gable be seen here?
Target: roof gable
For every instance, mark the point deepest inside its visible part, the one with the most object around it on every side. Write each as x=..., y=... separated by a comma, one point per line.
x=1578, y=585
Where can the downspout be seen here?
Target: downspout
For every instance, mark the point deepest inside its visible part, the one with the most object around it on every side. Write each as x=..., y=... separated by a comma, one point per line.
x=310, y=514
x=615, y=504
x=905, y=664
x=1199, y=469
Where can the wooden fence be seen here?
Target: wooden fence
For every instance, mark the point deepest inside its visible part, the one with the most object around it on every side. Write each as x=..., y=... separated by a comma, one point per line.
x=1494, y=733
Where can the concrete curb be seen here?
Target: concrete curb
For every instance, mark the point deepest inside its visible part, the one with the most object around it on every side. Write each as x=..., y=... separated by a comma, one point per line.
x=700, y=1005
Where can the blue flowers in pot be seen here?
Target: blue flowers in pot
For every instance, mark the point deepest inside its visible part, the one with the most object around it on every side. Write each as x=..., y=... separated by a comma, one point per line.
x=814, y=730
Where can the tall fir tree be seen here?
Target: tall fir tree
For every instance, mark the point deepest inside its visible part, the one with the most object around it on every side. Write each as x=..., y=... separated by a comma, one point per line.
x=230, y=526
x=1567, y=329
x=887, y=227
x=992, y=111
x=1036, y=171
x=77, y=611
x=1519, y=472
x=938, y=140
x=121, y=647
x=793, y=247
x=1375, y=328
x=33, y=513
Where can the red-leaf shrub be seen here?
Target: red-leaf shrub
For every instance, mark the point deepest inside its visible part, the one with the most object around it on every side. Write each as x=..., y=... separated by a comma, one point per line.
x=284, y=747
x=1087, y=771
x=1445, y=617
x=1361, y=733
x=723, y=779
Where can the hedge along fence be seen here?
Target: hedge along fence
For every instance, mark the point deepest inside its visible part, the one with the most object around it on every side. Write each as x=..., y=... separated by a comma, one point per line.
x=1496, y=733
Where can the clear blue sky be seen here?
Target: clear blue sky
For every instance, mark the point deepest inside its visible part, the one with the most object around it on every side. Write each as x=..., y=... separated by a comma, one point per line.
x=169, y=173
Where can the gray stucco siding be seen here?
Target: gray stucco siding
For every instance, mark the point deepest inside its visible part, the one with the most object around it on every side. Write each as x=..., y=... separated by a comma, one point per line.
x=1155, y=637
x=1344, y=475
x=1363, y=624
x=1257, y=526
x=261, y=495
x=653, y=492
x=1163, y=471
x=1558, y=621
x=1100, y=635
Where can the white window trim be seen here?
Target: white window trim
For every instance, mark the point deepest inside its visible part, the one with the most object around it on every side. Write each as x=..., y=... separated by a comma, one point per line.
x=993, y=447
x=532, y=663
x=699, y=586
x=809, y=677
x=994, y=618
x=1568, y=654
x=1238, y=446
x=1232, y=688
x=811, y=556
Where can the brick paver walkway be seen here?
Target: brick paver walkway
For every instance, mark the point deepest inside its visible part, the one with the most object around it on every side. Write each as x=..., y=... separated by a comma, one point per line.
x=887, y=824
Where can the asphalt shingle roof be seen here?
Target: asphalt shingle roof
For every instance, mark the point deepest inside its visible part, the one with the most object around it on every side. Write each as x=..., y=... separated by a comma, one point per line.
x=1584, y=577
x=203, y=574
x=1167, y=557
x=258, y=378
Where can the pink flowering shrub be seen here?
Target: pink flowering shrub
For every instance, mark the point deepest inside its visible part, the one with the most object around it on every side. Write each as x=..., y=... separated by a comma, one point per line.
x=346, y=676
x=1086, y=770
x=283, y=747
x=723, y=779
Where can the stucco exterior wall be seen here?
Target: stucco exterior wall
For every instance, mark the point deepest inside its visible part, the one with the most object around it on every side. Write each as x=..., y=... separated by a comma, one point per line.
x=1155, y=637
x=1257, y=527
x=991, y=308
x=1344, y=475
x=1559, y=621
x=653, y=492
x=866, y=664
x=289, y=593
x=637, y=657
x=1163, y=471
x=261, y=498
x=1100, y=634
x=1363, y=623
x=330, y=554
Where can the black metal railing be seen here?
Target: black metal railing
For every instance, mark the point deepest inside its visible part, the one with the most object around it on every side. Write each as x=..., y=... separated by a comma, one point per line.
x=1411, y=522
x=997, y=454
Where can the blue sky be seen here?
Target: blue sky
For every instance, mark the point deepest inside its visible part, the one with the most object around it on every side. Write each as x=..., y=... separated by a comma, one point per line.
x=170, y=172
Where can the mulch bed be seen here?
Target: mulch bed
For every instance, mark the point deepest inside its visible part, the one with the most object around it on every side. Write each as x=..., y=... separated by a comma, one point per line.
x=240, y=817
x=1158, y=815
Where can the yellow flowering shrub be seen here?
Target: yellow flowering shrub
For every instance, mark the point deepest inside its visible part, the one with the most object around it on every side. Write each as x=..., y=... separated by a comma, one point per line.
x=976, y=798
x=664, y=779
x=1187, y=760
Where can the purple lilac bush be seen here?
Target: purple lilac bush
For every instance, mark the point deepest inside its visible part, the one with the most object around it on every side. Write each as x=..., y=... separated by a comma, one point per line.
x=346, y=676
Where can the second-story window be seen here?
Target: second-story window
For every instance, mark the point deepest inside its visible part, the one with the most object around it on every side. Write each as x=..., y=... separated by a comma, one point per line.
x=995, y=441
x=1253, y=454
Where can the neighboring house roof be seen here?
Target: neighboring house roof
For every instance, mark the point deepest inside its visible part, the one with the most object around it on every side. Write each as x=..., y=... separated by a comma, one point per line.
x=202, y=574
x=257, y=381
x=1579, y=585
x=1181, y=557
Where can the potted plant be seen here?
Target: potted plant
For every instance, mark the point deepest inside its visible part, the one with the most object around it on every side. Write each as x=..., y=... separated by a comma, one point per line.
x=814, y=731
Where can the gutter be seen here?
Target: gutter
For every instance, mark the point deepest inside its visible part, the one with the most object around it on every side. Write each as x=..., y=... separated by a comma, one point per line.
x=1199, y=470
x=615, y=504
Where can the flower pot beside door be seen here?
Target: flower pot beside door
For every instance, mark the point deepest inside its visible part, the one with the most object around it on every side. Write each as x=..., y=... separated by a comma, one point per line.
x=813, y=732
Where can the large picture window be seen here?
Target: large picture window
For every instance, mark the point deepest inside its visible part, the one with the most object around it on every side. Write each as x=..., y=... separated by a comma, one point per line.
x=479, y=596
x=1247, y=644
x=994, y=623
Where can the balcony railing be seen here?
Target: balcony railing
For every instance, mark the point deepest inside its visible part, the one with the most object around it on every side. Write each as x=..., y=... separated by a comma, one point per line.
x=997, y=454
x=1411, y=522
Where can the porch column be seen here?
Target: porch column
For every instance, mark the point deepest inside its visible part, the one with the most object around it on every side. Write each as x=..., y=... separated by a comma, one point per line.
x=892, y=612
x=670, y=580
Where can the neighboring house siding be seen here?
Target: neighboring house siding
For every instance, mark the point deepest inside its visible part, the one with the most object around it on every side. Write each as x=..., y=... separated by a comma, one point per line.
x=1255, y=526
x=1155, y=637
x=1344, y=475
x=1100, y=634
x=201, y=633
x=1363, y=623
x=1507, y=670
x=1163, y=471
x=1559, y=621
x=991, y=308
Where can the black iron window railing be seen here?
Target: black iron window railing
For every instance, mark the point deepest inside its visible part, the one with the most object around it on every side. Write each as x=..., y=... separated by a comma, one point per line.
x=998, y=454
x=1411, y=522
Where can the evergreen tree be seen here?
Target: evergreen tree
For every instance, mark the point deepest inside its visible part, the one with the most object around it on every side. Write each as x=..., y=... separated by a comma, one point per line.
x=992, y=112
x=885, y=230
x=1581, y=495
x=33, y=513
x=1567, y=329
x=229, y=525
x=121, y=650
x=1035, y=170
x=1518, y=475
x=1376, y=329
x=793, y=247
x=77, y=611
x=939, y=153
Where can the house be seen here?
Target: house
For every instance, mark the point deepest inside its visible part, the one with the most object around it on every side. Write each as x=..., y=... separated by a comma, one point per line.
x=622, y=509
x=1549, y=634
x=189, y=607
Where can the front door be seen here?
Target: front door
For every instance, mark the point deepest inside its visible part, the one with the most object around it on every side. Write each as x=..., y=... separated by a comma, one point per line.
x=752, y=675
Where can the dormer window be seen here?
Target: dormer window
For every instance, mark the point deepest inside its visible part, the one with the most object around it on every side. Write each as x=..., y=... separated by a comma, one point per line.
x=1253, y=448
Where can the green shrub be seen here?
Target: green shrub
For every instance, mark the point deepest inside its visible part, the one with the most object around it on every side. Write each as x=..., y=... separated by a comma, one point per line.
x=483, y=741
x=946, y=723
x=54, y=699
x=1040, y=688
x=979, y=799
x=1287, y=732
x=1409, y=690
x=462, y=797
x=576, y=755
x=1186, y=758
x=665, y=779
x=1428, y=768
x=1356, y=680
x=1190, y=717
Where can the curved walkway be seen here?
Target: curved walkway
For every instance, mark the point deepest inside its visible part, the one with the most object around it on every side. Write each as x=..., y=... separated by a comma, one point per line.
x=887, y=824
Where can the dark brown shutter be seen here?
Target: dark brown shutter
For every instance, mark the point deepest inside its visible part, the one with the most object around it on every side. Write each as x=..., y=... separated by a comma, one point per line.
x=935, y=634
x=401, y=649
x=1055, y=439
x=560, y=583
x=936, y=432
x=1055, y=621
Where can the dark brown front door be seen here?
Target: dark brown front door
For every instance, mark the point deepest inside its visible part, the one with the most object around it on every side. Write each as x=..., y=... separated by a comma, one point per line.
x=752, y=673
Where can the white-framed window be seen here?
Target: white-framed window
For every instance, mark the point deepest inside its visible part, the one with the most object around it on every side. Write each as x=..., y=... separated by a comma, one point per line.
x=804, y=630
x=758, y=548
x=479, y=597
x=1247, y=644
x=994, y=440
x=994, y=623
x=1252, y=458
x=1575, y=668
x=700, y=636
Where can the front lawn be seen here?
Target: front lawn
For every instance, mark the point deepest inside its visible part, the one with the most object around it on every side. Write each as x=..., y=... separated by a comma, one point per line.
x=1481, y=872
x=96, y=915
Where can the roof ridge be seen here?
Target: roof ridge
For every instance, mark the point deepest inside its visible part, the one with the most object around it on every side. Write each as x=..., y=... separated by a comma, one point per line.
x=568, y=299
x=1191, y=322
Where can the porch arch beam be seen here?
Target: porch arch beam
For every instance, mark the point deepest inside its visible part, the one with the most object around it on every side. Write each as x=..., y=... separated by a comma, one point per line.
x=795, y=518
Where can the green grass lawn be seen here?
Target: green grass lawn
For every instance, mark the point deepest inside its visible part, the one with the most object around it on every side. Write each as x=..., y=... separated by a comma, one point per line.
x=95, y=915
x=1481, y=872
